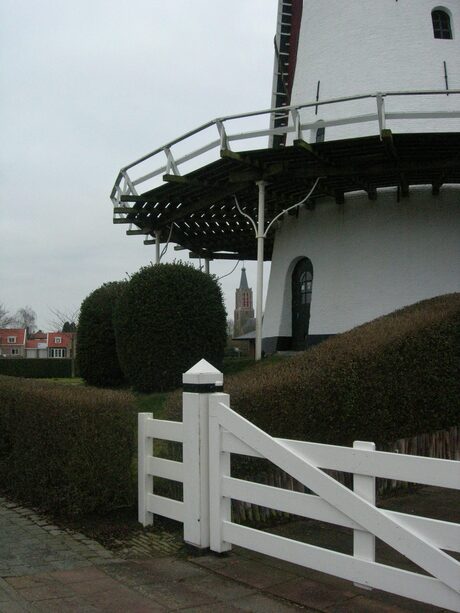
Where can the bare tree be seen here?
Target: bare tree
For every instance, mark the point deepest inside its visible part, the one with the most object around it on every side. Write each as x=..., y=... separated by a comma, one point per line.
x=67, y=319
x=230, y=327
x=6, y=320
x=26, y=318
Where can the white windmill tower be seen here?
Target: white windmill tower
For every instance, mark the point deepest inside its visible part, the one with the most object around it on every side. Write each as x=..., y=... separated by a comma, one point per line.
x=360, y=254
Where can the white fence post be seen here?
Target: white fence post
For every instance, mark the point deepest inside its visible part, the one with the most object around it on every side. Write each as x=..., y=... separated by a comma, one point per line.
x=199, y=383
x=364, y=486
x=220, y=507
x=145, y=481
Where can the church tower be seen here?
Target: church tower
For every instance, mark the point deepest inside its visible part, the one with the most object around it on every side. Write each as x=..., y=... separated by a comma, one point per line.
x=384, y=70
x=244, y=310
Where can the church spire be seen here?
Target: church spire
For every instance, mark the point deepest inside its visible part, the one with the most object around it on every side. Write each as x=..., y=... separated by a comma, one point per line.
x=244, y=312
x=243, y=280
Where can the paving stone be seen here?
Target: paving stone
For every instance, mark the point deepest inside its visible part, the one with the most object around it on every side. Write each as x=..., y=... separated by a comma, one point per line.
x=377, y=598
x=73, y=604
x=4, y=595
x=310, y=593
x=362, y=604
x=253, y=573
x=45, y=592
x=212, y=608
x=31, y=581
x=122, y=600
x=175, y=595
x=261, y=603
x=152, y=571
x=221, y=588
x=83, y=588
x=69, y=564
x=211, y=561
x=78, y=575
x=12, y=607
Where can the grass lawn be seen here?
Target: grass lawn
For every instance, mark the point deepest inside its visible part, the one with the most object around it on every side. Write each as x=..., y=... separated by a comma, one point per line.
x=77, y=381
x=151, y=403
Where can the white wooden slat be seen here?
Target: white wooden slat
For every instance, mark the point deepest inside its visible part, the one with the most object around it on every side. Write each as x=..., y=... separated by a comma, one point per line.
x=220, y=505
x=445, y=535
x=167, y=507
x=159, y=171
x=144, y=480
x=328, y=123
x=165, y=430
x=372, y=574
x=417, y=469
x=287, y=501
x=424, y=115
x=424, y=554
x=259, y=133
x=232, y=444
x=167, y=469
x=401, y=467
x=364, y=487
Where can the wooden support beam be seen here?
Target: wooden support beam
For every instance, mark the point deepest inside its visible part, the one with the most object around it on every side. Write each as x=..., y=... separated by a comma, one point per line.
x=404, y=186
x=181, y=179
x=124, y=209
x=133, y=198
x=307, y=147
x=246, y=160
x=121, y=220
x=371, y=193
x=137, y=232
x=436, y=186
x=242, y=176
x=339, y=196
x=387, y=140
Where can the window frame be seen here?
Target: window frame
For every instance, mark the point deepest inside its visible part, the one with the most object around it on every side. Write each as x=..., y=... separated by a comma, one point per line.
x=441, y=20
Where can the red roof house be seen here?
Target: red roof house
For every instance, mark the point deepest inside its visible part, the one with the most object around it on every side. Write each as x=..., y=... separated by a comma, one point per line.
x=12, y=342
x=15, y=343
x=60, y=344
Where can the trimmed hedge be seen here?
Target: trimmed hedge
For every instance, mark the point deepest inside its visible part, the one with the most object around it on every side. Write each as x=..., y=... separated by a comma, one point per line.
x=97, y=357
x=67, y=449
x=169, y=317
x=395, y=377
x=36, y=368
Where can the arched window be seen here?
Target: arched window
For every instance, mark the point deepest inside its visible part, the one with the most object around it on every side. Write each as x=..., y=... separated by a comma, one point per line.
x=302, y=281
x=320, y=134
x=441, y=24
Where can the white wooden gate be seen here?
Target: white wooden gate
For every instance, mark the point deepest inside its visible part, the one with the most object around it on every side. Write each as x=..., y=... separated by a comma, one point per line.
x=211, y=431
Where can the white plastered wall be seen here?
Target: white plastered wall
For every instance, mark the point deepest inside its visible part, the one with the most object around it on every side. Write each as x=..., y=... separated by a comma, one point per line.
x=369, y=258
x=366, y=46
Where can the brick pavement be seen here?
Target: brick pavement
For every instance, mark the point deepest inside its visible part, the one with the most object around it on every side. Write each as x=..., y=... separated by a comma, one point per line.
x=45, y=569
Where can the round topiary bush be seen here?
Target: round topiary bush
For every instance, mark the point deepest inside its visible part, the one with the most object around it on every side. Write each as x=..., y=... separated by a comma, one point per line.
x=96, y=347
x=169, y=317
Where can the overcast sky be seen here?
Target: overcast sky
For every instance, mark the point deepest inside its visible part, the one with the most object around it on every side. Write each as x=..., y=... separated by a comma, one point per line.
x=87, y=87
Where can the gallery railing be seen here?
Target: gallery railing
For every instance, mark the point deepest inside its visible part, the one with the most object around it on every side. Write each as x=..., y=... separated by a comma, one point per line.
x=161, y=161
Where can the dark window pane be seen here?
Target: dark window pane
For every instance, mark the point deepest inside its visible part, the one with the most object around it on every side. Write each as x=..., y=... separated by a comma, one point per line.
x=441, y=25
